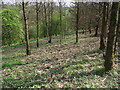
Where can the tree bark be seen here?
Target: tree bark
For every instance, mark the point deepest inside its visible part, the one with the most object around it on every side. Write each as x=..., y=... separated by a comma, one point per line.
x=109, y=50
x=89, y=25
x=28, y=52
x=118, y=38
x=50, y=21
x=83, y=31
x=60, y=11
x=98, y=19
x=96, y=30
x=37, y=23
x=90, y=30
x=77, y=20
x=117, y=31
x=46, y=19
x=104, y=26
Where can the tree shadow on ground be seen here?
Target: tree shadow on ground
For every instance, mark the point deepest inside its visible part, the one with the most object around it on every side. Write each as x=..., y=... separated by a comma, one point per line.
x=43, y=79
x=12, y=61
x=37, y=79
x=60, y=70
x=100, y=72
x=93, y=51
x=95, y=35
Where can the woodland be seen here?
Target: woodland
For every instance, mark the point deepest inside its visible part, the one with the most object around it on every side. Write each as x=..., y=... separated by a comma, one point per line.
x=55, y=44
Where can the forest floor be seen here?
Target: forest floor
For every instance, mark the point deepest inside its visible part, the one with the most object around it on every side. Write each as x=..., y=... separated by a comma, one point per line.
x=55, y=65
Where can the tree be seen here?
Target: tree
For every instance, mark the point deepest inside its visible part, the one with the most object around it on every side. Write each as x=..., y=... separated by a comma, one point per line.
x=28, y=51
x=77, y=20
x=98, y=18
x=118, y=37
x=60, y=22
x=104, y=27
x=50, y=22
x=48, y=11
x=117, y=31
x=37, y=10
x=12, y=31
x=109, y=50
x=89, y=24
x=46, y=19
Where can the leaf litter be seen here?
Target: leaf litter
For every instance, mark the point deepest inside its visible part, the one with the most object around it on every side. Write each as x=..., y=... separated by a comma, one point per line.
x=63, y=65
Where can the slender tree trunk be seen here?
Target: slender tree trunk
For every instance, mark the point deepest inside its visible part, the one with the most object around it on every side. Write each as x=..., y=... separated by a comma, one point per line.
x=109, y=50
x=66, y=25
x=98, y=20
x=117, y=31
x=46, y=20
x=83, y=31
x=86, y=26
x=28, y=52
x=96, y=30
x=89, y=25
x=37, y=23
x=104, y=25
x=118, y=38
x=77, y=20
x=119, y=43
x=60, y=11
x=50, y=18
x=49, y=22
x=89, y=29
x=50, y=35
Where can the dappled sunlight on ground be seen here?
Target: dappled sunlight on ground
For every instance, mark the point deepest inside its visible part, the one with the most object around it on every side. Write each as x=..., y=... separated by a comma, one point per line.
x=62, y=65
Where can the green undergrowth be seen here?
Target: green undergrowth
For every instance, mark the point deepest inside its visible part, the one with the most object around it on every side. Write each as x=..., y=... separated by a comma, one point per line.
x=57, y=39
x=13, y=58
x=83, y=69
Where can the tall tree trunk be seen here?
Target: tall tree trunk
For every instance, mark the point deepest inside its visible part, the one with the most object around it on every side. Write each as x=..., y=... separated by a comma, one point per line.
x=119, y=44
x=50, y=21
x=109, y=51
x=117, y=31
x=37, y=23
x=60, y=11
x=77, y=20
x=86, y=26
x=89, y=25
x=98, y=20
x=118, y=38
x=104, y=26
x=66, y=24
x=46, y=20
x=28, y=52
